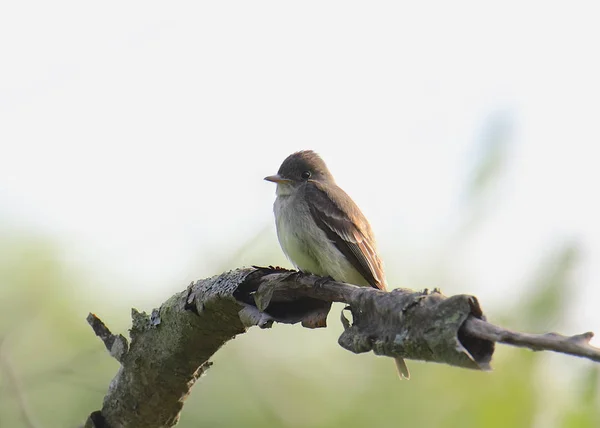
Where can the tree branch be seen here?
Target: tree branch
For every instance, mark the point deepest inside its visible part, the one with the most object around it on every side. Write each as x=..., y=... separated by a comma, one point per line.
x=170, y=349
x=578, y=345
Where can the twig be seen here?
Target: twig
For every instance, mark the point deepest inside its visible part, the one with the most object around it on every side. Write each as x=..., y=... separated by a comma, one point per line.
x=578, y=345
x=115, y=344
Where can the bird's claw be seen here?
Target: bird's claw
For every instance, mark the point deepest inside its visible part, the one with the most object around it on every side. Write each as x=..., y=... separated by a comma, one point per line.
x=323, y=280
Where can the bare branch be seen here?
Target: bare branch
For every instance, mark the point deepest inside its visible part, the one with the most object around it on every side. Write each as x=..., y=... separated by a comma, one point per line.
x=116, y=344
x=170, y=349
x=578, y=345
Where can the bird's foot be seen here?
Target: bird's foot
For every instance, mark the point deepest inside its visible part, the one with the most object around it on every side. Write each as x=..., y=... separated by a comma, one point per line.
x=294, y=275
x=323, y=280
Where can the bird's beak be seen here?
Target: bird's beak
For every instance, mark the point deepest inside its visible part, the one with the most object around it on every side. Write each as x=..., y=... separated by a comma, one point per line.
x=277, y=179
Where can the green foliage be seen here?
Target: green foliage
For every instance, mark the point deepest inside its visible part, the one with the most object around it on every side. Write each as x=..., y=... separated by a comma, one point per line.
x=46, y=350
x=584, y=411
x=550, y=289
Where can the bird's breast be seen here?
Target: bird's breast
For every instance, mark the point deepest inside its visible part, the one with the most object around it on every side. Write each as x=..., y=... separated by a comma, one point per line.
x=298, y=234
x=307, y=246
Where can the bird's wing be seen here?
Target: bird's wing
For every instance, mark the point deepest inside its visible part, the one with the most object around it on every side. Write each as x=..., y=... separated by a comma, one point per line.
x=343, y=222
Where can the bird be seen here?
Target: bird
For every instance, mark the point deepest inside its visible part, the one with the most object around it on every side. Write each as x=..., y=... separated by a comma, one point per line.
x=320, y=228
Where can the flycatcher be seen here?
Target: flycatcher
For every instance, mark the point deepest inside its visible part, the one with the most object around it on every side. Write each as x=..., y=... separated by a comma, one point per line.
x=320, y=228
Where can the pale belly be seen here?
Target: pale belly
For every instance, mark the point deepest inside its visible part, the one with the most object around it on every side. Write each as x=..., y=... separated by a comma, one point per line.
x=308, y=247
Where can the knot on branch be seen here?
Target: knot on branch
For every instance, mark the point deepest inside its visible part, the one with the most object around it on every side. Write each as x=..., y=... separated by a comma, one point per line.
x=274, y=294
x=416, y=325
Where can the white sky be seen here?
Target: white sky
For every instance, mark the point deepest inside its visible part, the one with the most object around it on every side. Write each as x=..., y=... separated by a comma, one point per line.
x=139, y=133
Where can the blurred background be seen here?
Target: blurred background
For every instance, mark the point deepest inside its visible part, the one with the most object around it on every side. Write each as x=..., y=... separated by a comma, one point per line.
x=133, y=142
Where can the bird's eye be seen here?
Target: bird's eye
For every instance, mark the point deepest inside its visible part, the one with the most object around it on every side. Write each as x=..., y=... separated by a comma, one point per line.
x=306, y=175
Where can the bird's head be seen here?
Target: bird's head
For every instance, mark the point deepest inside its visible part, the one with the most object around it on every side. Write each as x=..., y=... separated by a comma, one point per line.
x=300, y=168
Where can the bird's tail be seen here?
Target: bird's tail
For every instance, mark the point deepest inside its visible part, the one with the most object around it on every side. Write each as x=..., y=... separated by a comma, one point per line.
x=402, y=368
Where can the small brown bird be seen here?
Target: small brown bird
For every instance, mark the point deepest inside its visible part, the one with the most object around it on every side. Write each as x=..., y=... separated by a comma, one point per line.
x=320, y=228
